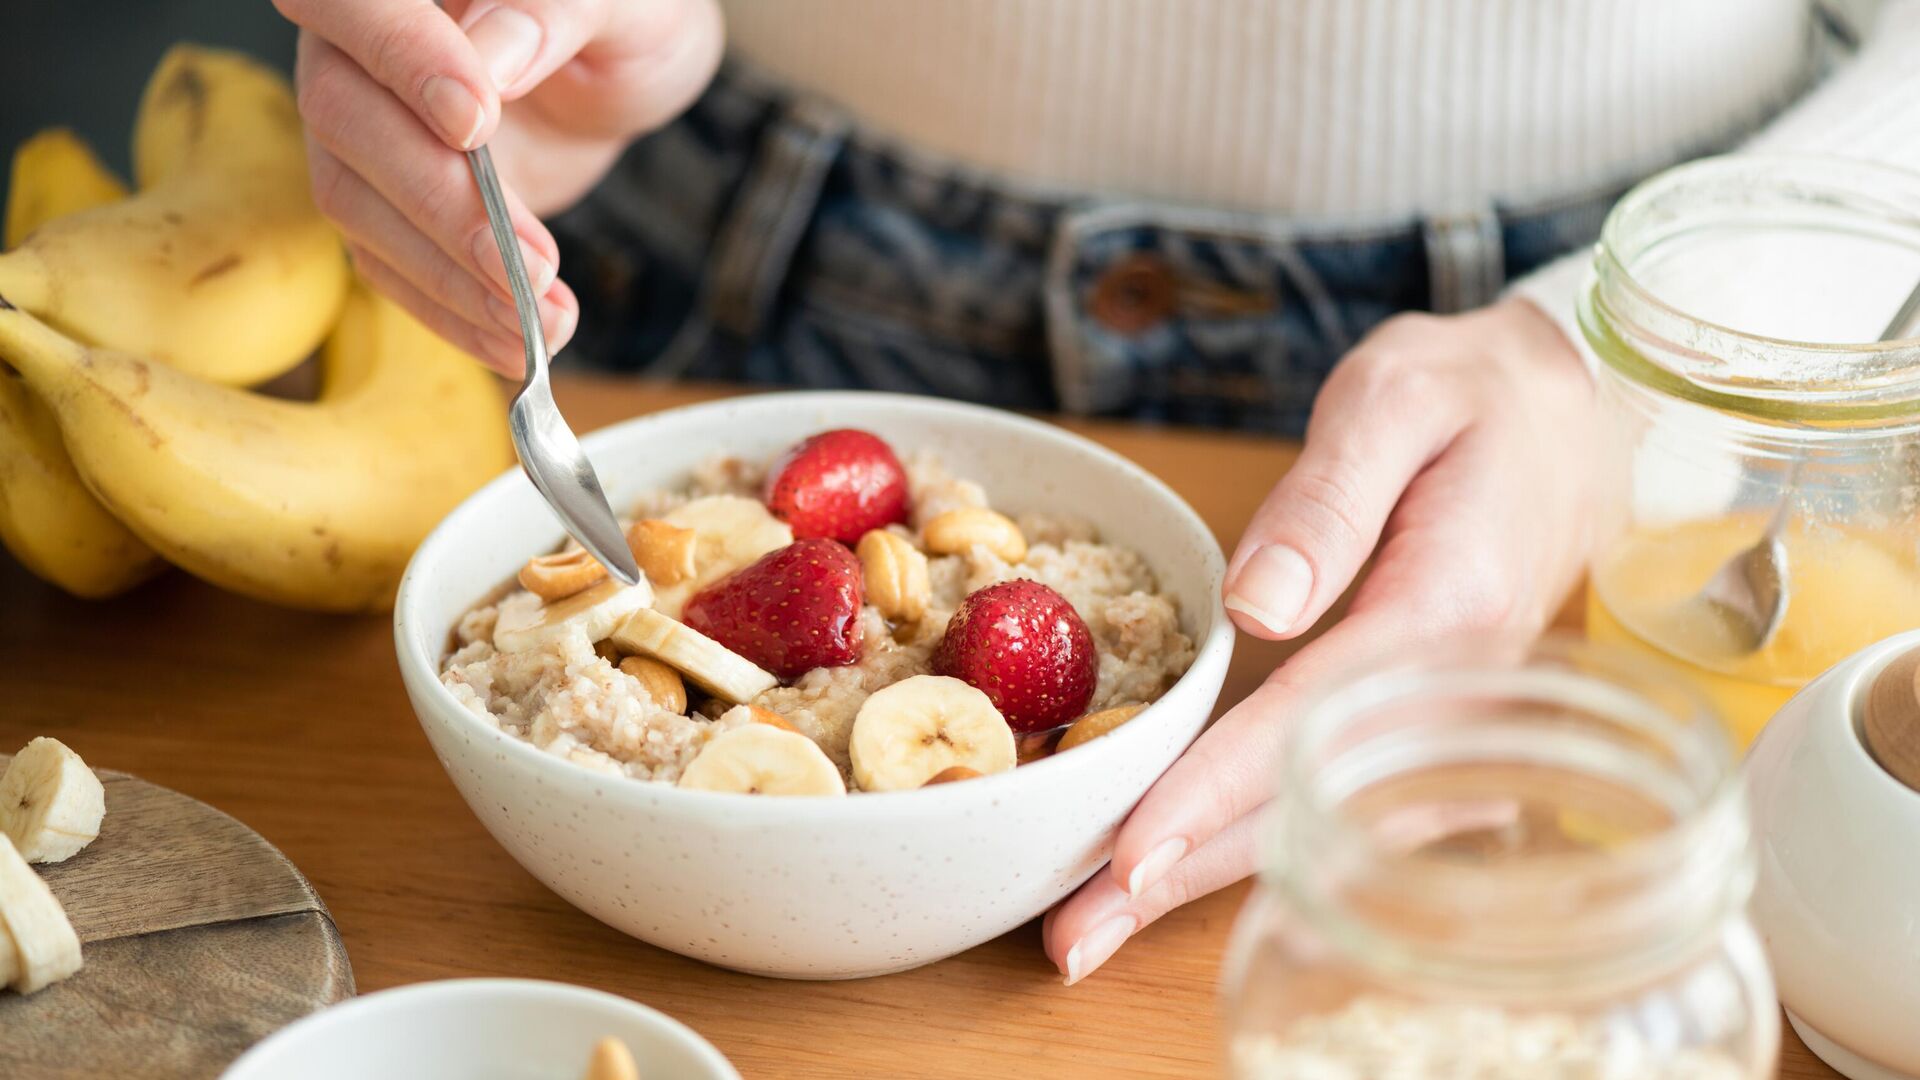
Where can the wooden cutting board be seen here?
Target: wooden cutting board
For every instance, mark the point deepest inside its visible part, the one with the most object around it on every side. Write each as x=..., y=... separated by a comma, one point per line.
x=199, y=939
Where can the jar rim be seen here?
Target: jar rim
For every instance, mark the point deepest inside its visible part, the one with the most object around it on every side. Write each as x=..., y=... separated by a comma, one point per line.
x=1652, y=341
x=1699, y=866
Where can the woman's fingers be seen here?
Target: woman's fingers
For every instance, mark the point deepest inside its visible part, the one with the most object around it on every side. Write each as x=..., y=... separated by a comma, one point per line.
x=1233, y=767
x=413, y=50
x=501, y=351
x=432, y=188
x=493, y=348
x=524, y=41
x=1378, y=422
x=1089, y=926
x=1454, y=561
x=454, y=74
x=1415, y=440
x=1457, y=558
x=380, y=229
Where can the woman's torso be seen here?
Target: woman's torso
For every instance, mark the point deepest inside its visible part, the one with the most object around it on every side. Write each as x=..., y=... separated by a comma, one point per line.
x=1346, y=109
x=1181, y=211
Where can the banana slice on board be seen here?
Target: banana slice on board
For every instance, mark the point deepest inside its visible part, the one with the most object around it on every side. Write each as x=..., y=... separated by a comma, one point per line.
x=50, y=802
x=45, y=947
x=595, y=611
x=760, y=759
x=712, y=666
x=920, y=727
x=730, y=531
x=9, y=955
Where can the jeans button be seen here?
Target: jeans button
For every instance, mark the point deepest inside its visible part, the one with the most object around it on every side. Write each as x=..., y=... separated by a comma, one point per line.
x=1135, y=294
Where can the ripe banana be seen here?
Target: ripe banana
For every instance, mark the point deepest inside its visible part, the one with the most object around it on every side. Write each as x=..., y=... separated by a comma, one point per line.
x=55, y=173
x=48, y=519
x=705, y=662
x=730, y=531
x=311, y=504
x=51, y=804
x=760, y=759
x=918, y=728
x=221, y=265
x=593, y=613
x=45, y=947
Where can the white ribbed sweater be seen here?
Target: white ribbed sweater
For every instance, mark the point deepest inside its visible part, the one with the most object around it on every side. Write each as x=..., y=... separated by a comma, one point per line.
x=1353, y=111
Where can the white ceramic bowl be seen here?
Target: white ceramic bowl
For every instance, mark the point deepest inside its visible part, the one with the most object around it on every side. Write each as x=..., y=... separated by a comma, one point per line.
x=477, y=1029
x=816, y=888
x=1839, y=885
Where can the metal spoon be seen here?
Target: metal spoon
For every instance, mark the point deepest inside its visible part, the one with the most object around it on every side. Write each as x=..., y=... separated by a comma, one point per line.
x=1751, y=589
x=548, y=450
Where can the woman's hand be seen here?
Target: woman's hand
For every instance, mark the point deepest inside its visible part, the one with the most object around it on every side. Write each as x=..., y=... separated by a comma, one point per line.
x=1455, y=452
x=393, y=90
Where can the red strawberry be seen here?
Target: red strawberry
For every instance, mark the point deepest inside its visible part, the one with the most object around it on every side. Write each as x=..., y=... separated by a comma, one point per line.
x=838, y=484
x=794, y=610
x=1025, y=647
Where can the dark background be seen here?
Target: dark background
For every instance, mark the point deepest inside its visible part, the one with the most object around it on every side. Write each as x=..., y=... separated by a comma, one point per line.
x=82, y=63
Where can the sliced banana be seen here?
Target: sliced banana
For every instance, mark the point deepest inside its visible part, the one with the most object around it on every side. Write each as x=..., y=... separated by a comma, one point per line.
x=730, y=532
x=596, y=611
x=760, y=759
x=45, y=947
x=50, y=802
x=708, y=664
x=9, y=955
x=920, y=727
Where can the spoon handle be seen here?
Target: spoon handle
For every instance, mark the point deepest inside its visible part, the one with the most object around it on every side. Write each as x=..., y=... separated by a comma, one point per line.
x=524, y=302
x=1896, y=328
x=1895, y=331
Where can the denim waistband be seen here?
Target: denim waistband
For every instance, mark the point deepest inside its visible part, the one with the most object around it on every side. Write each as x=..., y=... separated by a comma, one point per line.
x=764, y=237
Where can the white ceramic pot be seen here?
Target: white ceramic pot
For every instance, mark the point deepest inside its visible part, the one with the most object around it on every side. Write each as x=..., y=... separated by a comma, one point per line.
x=1838, y=897
x=817, y=888
x=463, y=1029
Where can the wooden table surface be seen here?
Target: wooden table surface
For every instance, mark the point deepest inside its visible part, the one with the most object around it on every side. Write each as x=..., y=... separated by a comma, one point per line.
x=297, y=725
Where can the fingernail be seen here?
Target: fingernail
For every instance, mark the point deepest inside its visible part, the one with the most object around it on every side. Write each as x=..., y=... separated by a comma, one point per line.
x=540, y=272
x=569, y=321
x=1272, y=587
x=506, y=41
x=1101, y=942
x=1148, y=871
x=552, y=318
x=486, y=256
x=455, y=111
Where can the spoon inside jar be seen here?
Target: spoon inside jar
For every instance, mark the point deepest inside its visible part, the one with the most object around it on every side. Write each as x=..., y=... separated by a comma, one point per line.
x=1751, y=590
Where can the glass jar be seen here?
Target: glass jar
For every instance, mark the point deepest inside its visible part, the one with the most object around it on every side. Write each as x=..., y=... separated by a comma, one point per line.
x=1735, y=305
x=1504, y=861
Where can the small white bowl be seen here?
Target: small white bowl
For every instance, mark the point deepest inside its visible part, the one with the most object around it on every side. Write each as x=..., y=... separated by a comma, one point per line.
x=817, y=888
x=1839, y=887
x=477, y=1029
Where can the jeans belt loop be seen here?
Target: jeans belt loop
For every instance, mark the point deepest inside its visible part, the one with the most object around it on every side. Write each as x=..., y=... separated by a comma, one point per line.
x=1466, y=260
x=754, y=246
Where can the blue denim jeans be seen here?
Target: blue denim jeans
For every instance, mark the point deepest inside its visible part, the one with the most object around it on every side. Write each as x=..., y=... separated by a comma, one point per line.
x=763, y=238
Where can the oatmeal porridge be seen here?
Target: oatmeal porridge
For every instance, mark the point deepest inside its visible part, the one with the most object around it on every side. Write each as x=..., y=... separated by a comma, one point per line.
x=876, y=622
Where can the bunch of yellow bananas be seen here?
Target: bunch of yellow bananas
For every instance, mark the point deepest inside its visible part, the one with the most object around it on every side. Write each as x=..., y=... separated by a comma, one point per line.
x=129, y=324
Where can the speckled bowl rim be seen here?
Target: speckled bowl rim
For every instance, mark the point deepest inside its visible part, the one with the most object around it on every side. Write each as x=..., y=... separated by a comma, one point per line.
x=1129, y=739
x=548, y=992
